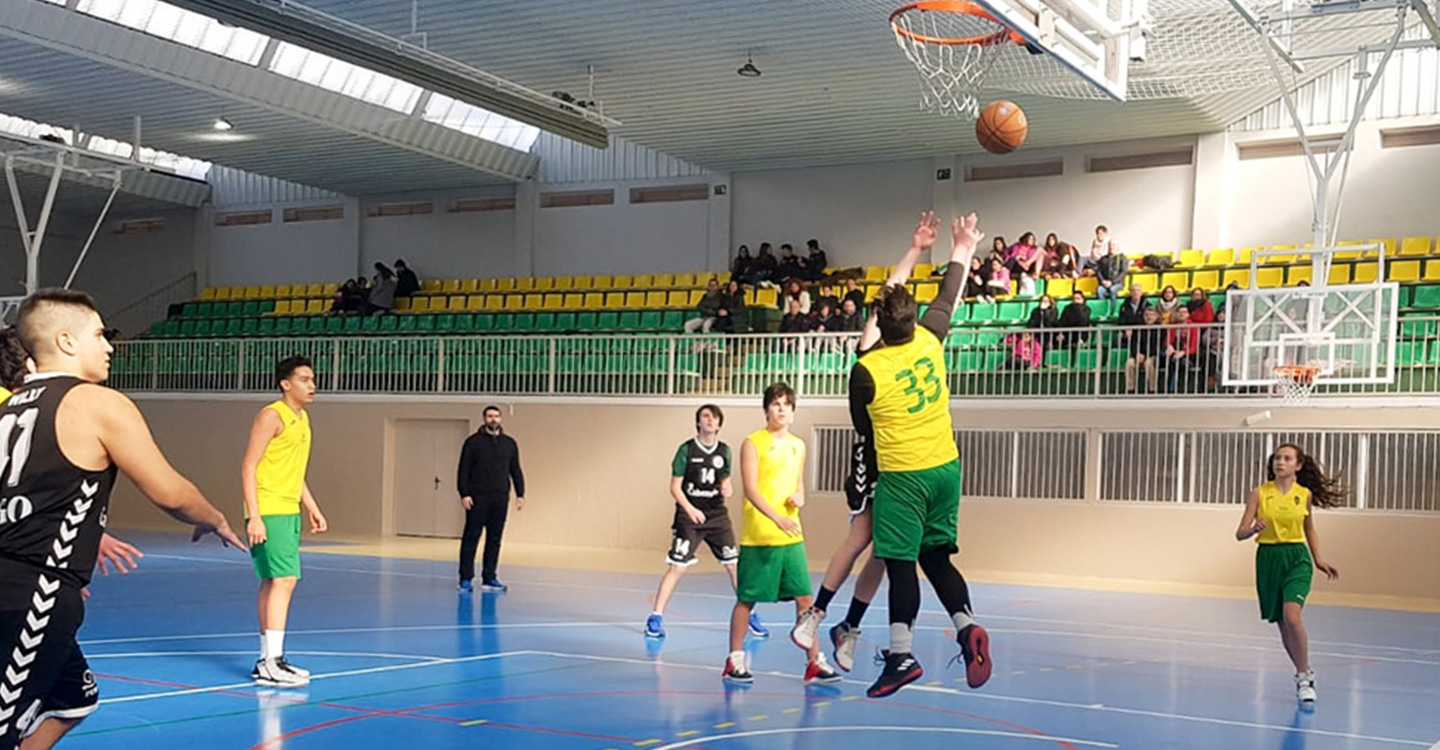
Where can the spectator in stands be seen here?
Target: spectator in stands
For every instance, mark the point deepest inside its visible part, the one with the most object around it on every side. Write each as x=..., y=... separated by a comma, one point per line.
x=1060, y=259
x=998, y=285
x=731, y=316
x=742, y=267
x=1099, y=248
x=1167, y=304
x=998, y=249
x=1075, y=322
x=823, y=319
x=827, y=294
x=382, y=294
x=1043, y=317
x=341, y=300
x=1146, y=346
x=794, y=290
x=1182, y=349
x=975, y=281
x=1201, y=311
x=1026, y=352
x=854, y=293
x=1212, y=344
x=791, y=267
x=708, y=310
x=849, y=318
x=765, y=265
x=795, y=320
x=1132, y=313
x=1110, y=274
x=1026, y=257
x=406, y=282
x=815, y=261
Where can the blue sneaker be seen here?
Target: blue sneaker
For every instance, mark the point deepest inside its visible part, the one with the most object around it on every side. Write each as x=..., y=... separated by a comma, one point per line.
x=655, y=626
x=494, y=584
x=756, y=628
x=466, y=587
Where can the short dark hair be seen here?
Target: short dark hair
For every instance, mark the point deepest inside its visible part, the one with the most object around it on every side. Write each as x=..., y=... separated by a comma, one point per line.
x=491, y=408
x=399, y=263
x=778, y=390
x=812, y=244
x=286, y=368
x=1102, y=228
x=786, y=246
x=12, y=359
x=713, y=409
x=895, y=313
x=27, y=320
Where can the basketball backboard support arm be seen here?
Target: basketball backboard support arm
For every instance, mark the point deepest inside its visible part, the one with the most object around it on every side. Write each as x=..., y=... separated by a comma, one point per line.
x=1080, y=36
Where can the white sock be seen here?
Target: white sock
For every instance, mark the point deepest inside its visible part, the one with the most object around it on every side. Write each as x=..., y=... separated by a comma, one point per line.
x=962, y=620
x=274, y=641
x=264, y=647
x=657, y=614
x=900, y=638
x=737, y=658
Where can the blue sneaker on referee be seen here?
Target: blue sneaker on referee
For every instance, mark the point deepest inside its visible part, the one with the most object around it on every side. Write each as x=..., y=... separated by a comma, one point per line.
x=757, y=629
x=493, y=584
x=655, y=626
x=467, y=587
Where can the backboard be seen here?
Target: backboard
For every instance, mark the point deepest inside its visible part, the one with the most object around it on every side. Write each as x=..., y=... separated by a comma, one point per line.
x=1349, y=331
x=1094, y=39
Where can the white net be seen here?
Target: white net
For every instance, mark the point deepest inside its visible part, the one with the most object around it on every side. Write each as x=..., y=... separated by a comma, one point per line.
x=953, y=51
x=1296, y=383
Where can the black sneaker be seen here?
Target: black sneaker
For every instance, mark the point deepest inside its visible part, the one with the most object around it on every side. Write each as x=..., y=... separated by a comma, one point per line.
x=900, y=670
x=738, y=673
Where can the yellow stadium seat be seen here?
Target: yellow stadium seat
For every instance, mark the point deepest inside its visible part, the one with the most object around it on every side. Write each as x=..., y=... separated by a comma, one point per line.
x=1191, y=259
x=1404, y=270
x=1239, y=276
x=1284, y=247
x=1364, y=273
x=475, y=303
x=514, y=302
x=662, y=281
x=573, y=301
x=534, y=302
x=495, y=301
x=280, y=291
x=458, y=302
x=683, y=280
x=220, y=293
x=635, y=300
x=450, y=286
x=876, y=273
x=489, y=285
x=525, y=284
x=1386, y=242
x=420, y=303
x=601, y=282
x=1415, y=246
x=544, y=283
x=723, y=277
x=320, y=290
x=594, y=300
x=678, y=299
x=581, y=283
x=1059, y=288
x=1348, y=254
x=1207, y=280
x=922, y=271
x=469, y=286
x=316, y=307
x=554, y=301
x=766, y=297
x=621, y=282
x=1242, y=258
x=1086, y=284
x=329, y=290
x=697, y=294
x=925, y=291
x=282, y=307
x=1339, y=273
x=564, y=283
x=871, y=292
x=403, y=304
x=1220, y=257
x=207, y=294
x=432, y=285
x=1271, y=260
x=251, y=292
x=656, y=299
x=505, y=285
x=1178, y=279
x=641, y=281
x=1149, y=282
x=1269, y=278
x=1295, y=274
x=1432, y=270
x=614, y=300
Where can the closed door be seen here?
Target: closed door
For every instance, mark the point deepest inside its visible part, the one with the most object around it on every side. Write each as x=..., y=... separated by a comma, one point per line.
x=427, y=452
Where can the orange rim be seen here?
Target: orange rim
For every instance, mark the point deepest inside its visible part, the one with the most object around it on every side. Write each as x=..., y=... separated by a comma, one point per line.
x=1303, y=374
x=954, y=6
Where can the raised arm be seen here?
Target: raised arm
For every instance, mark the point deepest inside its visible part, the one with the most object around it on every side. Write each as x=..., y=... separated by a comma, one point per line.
x=966, y=234
x=921, y=240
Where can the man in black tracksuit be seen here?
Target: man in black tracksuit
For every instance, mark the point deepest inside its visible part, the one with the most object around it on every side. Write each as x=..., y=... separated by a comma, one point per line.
x=489, y=462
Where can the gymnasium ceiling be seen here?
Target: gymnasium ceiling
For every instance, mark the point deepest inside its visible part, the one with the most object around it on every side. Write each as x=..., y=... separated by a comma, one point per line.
x=835, y=89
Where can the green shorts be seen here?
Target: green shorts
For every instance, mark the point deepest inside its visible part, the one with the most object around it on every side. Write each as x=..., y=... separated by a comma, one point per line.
x=916, y=511
x=772, y=574
x=1282, y=574
x=279, y=555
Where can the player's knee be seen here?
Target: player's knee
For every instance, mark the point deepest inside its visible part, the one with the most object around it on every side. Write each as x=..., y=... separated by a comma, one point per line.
x=934, y=560
x=284, y=583
x=1290, y=616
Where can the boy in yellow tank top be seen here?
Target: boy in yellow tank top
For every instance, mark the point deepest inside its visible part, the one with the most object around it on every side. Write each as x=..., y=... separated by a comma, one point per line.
x=772, y=565
x=1277, y=514
x=273, y=478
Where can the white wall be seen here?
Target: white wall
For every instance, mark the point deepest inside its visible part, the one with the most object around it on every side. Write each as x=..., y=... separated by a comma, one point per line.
x=281, y=253
x=442, y=245
x=621, y=238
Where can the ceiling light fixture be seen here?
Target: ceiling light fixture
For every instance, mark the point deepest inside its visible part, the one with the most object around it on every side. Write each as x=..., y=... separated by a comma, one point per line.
x=223, y=124
x=748, y=70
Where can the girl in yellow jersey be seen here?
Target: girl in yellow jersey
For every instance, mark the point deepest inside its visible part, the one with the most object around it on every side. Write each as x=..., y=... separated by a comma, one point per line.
x=1277, y=514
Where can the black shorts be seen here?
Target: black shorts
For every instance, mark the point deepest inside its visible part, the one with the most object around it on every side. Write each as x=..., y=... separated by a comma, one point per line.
x=860, y=482
x=45, y=674
x=716, y=532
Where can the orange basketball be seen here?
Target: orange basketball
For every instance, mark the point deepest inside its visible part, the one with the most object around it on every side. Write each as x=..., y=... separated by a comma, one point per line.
x=1001, y=127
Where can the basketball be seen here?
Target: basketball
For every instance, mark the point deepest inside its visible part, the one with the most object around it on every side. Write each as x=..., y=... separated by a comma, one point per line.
x=1001, y=127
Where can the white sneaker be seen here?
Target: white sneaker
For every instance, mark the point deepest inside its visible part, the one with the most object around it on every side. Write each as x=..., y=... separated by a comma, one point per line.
x=807, y=628
x=271, y=672
x=1305, y=686
x=287, y=665
x=845, y=638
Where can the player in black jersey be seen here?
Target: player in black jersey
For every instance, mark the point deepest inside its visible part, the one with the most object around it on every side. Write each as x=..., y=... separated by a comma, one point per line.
x=63, y=438
x=699, y=483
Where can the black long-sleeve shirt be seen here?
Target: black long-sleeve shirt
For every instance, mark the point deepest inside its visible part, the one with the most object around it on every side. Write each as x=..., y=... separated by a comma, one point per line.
x=488, y=465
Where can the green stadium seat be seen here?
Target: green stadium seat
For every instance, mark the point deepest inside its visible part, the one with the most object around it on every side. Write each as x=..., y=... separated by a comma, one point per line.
x=545, y=322
x=484, y=322
x=982, y=312
x=585, y=321
x=463, y=323
x=1427, y=297
x=368, y=324
x=607, y=321
x=524, y=322
x=408, y=323
x=1010, y=312
x=350, y=324
x=389, y=323
x=565, y=321
x=425, y=323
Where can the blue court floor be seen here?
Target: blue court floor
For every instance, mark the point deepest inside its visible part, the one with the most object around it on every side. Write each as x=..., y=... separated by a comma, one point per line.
x=401, y=660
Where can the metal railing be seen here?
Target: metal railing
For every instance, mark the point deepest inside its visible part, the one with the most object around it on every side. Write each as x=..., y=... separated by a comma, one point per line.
x=982, y=362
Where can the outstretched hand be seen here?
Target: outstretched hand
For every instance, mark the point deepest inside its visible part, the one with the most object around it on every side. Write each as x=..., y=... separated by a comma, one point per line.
x=965, y=230
x=227, y=537
x=925, y=234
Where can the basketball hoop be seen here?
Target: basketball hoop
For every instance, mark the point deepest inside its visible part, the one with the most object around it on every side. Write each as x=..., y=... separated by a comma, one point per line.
x=953, y=44
x=1297, y=382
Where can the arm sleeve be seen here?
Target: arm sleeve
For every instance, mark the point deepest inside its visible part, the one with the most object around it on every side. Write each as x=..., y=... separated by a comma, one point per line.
x=862, y=392
x=725, y=454
x=516, y=475
x=677, y=464
x=462, y=475
x=937, y=318
x=860, y=484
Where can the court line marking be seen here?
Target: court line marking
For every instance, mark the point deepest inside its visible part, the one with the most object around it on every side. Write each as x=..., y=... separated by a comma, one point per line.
x=931, y=730
x=875, y=606
x=140, y=654
x=313, y=677
x=1030, y=701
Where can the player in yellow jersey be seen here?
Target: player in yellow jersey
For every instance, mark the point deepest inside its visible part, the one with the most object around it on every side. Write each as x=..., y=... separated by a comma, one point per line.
x=899, y=394
x=273, y=478
x=772, y=566
x=1277, y=514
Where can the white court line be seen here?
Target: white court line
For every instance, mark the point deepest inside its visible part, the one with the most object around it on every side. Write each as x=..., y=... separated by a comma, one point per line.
x=1016, y=699
x=927, y=730
x=313, y=677
x=141, y=654
x=628, y=624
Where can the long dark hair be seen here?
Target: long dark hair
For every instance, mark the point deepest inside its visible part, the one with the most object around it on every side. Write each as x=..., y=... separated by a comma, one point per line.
x=1326, y=492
